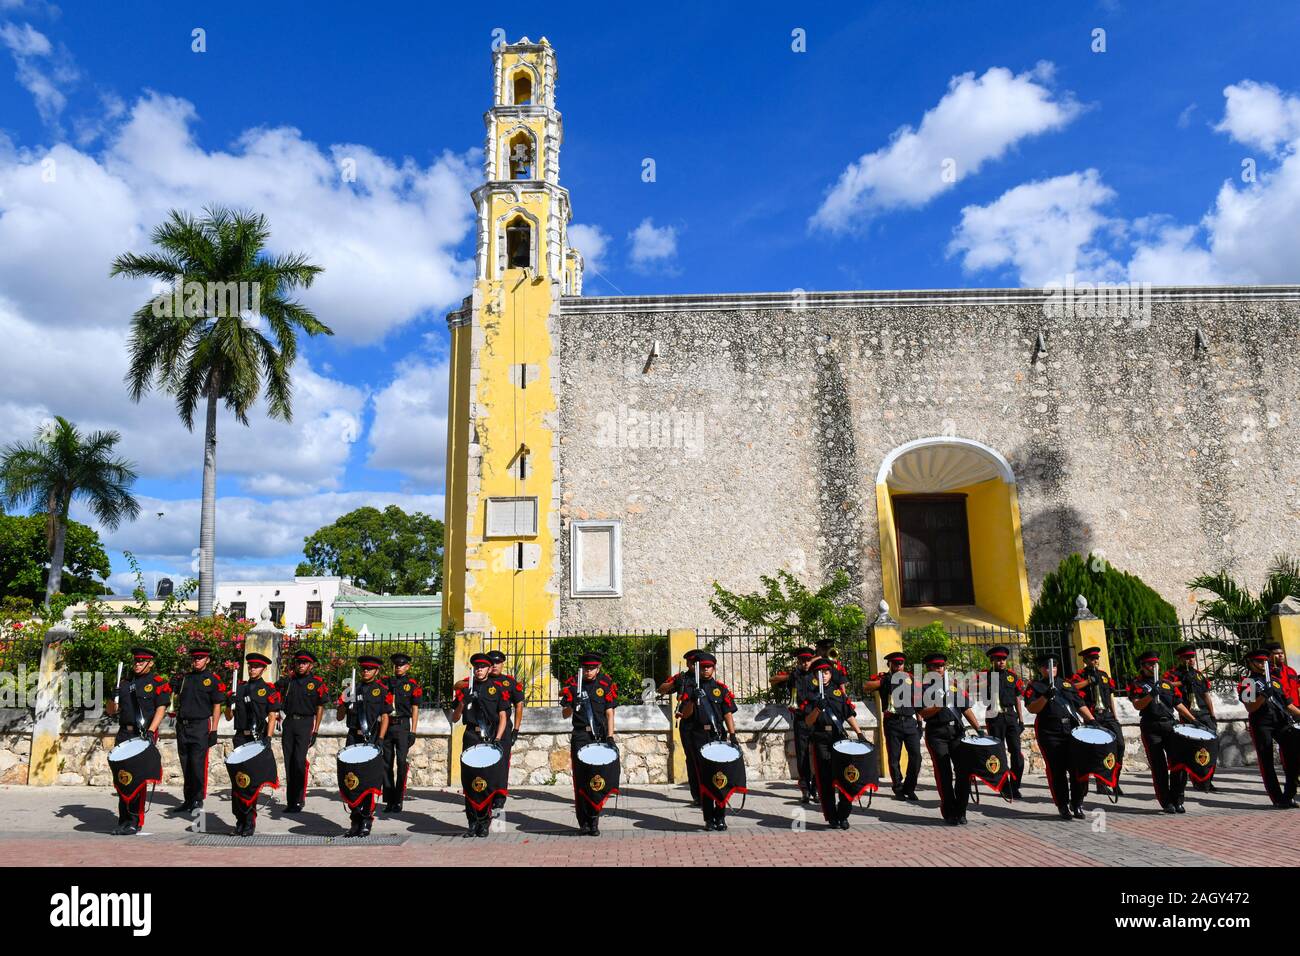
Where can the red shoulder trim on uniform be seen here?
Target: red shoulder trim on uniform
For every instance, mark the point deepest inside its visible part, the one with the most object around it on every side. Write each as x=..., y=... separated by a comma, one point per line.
x=388, y=698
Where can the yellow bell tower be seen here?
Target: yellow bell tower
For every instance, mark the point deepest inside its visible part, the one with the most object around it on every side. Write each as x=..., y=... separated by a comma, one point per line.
x=502, y=520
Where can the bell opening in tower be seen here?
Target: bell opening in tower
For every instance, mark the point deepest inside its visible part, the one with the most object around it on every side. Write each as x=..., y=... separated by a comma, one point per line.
x=519, y=239
x=523, y=89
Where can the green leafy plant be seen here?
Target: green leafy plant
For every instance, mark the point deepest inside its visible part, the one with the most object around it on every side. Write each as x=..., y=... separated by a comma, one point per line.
x=628, y=659
x=1232, y=604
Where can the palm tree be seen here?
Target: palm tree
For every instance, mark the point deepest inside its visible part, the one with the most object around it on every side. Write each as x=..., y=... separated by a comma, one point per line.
x=215, y=349
x=1234, y=604
x=58, y=466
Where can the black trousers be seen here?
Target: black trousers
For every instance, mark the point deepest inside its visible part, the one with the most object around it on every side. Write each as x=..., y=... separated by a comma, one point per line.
x=244, y=813
x=692, y=770
x=506, y=746
x=192, y=746
x=835, y=806
x=1053, y=736
x=1169, y=785
x=954, y=788
x=1265, y=734
x=802, y=752
x=295, y=740
x=397, y=745
x=694, y=740
x=131, y=811
x=903, y=733
x=1008, y=728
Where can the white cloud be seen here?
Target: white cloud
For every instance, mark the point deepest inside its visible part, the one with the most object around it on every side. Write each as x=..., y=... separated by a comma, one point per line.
x=1044, y=230
x=43, y=71
x=409, y=430
x=977, y=120
x=1258, y=114
x=247, y=528
x=652, y=245
x=592, y=242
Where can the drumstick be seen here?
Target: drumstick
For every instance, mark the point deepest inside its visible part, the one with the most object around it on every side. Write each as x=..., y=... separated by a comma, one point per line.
x=119, y=674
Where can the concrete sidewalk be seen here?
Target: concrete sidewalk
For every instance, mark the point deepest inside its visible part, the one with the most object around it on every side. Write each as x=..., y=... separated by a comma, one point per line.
x=62, y=826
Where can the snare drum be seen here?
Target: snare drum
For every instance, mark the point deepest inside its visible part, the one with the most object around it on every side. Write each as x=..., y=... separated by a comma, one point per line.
x=984, y=758
x=484, y=773
x=596, y=773
x=361, y=773
x=722, y=771
x=1093, y=753
x=1195, y=750
x=251, y=767
x=135, y=764
x=854, y=767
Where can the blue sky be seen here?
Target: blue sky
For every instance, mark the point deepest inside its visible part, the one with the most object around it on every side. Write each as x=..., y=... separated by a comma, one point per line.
x=775, y=170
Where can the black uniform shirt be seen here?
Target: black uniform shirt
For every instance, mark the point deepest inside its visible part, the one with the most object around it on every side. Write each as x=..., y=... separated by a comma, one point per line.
x=602, y=694
x=407, y=693
x=797, y=682
x=1099, y=693
x=516, y=690
x=1165, y=698
x=1063, y=705
x=1009, y=686
x=896, y=690
x=952, y=701
x=198, y=693
x=833, y=701
x=1271, y=715
x=1193, y=685
x=373, y=701
x=719, y=699
x=254, y=699
x=302, y=694
x=484, y=700
x=147, y=692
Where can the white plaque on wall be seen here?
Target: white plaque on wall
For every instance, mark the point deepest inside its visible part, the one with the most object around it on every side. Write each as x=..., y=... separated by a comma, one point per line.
x=511, y=517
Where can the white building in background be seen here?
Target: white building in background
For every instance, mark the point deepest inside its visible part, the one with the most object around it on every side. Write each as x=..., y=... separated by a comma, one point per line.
x=297, y=602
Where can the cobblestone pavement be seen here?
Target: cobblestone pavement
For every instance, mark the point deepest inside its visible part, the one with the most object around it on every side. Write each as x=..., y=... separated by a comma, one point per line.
x=652, y=825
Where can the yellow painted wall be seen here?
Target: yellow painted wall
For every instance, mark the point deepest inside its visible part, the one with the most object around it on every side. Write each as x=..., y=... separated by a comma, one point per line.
x=996, y=550
x=888, y=548
x=453, y=600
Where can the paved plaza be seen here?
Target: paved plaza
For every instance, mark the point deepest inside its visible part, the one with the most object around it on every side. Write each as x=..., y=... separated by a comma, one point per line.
x=652, y=825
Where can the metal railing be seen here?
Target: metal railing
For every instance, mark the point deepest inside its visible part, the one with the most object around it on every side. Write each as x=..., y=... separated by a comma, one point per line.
x=636, y=660
x=1220, y=648
x=1026, y=646
x=749, y=659
x=337, y=656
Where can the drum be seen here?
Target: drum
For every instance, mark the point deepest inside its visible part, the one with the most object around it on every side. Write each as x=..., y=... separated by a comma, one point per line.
x=983, y=758
x=484, y=773
x=251, y=767
x=135, y=764
x=361, y=773
x=1093, y=753
x=1195, y=750
x=855, y=768
x=595, y=773
x=722, y=771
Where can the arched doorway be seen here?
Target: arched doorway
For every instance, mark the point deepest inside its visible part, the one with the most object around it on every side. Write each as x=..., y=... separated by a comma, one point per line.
x=950, y=533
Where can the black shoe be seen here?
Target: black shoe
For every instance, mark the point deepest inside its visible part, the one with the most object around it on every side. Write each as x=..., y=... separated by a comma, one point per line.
x=720, y=825
x=250, y=829
x=952, y=821
x=239, y=828
x=911, y=796
x=483, y=827
x=583, y=828
x=293, y=808
x=962, y=820
x=365, y=828
x=1210, y=787
x=1065, y=815
x=120, y=829
x=844, y=824
x=1169, y=808
x=593, y=830
x=694, y=803
x=471, y=832
x=710, y=825
x=1179, y=808
x=183, y=808
x=805, y=798
x=129, y=829
x=1077, y=813
x=1287, y=805
x=899, y=796
x=354, y=830
x=395, y=807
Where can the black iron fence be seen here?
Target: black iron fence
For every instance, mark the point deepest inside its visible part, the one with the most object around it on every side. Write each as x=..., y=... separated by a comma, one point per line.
x=749, y=659
x=19, y=650
x=1220, y=648
x=972, y=644
x=337, y=657
x=637, y=661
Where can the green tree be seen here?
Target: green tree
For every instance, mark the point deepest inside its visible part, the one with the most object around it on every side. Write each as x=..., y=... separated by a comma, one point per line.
x=388, y=552
x=215, y=350
x=60, y=465
x=24, y=558
x=786, y=606
x=1233, y=604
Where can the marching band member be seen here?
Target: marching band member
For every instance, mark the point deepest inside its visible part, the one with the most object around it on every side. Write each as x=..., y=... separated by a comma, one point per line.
x=142, y=696
x=367, y=708
x=1057, y=708
x=1272, y=720
x=1098, y=689
x=1009, y=721
x=797, y=681
x=402, y=723
x=680, y=685
x=198, y=698
x=942, y=731
x=1195, y=688
x=1286, y=674
x=255, y=706
x=826, y=703
x=1159, y=702
x=514, y=716
x=600, y=694
x=303, y=694
x=482, y=702
x=697, y=727
x=902, y=730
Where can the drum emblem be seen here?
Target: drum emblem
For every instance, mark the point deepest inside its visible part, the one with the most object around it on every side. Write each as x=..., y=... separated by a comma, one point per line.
x=993, y=764
x=148, y=688
x=479, y=785
x=311, y=686
x=207, y=682
x=406, y=687
x=1202, y=757
x=597, y=783
x=1109, y=762
x=350, y=782
x=719, y=780
x=124, y=778
x=242, y=780
x=261, y=692
x=851, y=774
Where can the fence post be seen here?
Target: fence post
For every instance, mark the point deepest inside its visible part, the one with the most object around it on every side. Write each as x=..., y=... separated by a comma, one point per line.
x=264, y=638
x=886, y=638
x=1088, y=630
x=680, y=640
x=1284, y=626
x=468, y=643
x=43, y=762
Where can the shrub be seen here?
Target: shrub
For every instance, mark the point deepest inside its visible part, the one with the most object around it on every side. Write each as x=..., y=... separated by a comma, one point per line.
x=628, y=660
